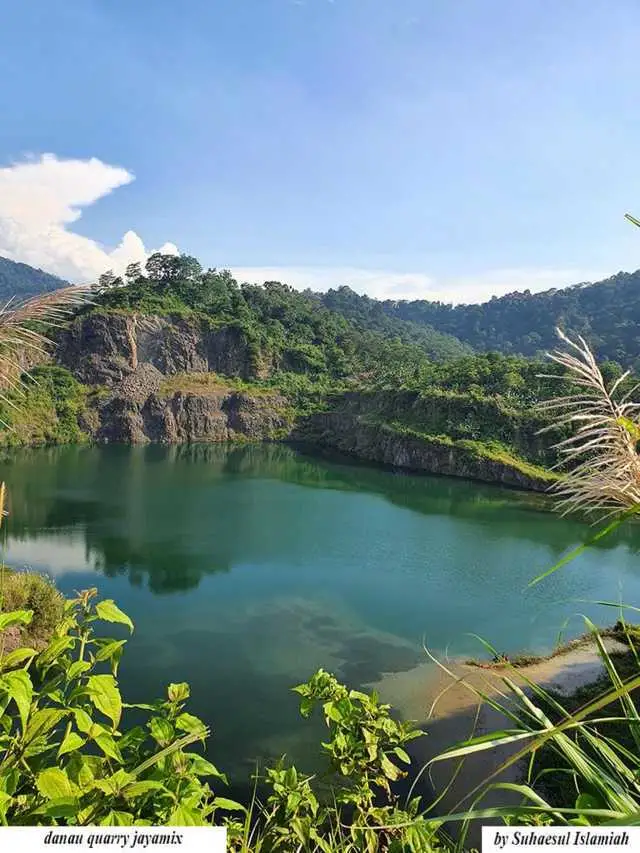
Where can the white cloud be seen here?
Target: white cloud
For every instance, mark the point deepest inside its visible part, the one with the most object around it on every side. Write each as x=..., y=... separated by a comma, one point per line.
x=387, y=284
x=41, y=198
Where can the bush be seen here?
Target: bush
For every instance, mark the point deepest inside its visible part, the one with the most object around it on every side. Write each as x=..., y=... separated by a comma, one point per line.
x=31, y=591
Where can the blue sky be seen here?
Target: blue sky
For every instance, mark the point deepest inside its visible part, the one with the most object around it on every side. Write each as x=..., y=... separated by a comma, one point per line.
x=420, y=148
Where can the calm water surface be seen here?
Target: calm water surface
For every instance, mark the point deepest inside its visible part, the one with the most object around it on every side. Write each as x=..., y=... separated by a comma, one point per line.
x=246, y=568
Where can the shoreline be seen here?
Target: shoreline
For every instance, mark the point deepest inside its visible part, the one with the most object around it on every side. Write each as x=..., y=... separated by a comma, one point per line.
x=447, y=707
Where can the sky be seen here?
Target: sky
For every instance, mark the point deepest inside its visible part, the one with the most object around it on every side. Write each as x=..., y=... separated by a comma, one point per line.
x=408, y=148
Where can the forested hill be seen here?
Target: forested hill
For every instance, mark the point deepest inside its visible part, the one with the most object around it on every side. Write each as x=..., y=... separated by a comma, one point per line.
x=606, y=313
x=21, y=281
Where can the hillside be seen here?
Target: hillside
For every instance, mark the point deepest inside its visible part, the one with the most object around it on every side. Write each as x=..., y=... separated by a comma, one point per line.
x=606, y=313
x=21, y=281
x=181, y=354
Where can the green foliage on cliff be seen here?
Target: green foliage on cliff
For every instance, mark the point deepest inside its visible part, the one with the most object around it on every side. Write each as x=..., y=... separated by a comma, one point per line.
x=294, y=331
x=47, y=411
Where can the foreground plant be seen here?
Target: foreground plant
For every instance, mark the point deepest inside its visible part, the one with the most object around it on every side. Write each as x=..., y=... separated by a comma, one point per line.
x=22, y=332
x=64, y=757
x=602, y=465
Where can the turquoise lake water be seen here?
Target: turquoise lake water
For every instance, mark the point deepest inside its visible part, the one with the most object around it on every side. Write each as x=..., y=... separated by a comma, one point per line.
x=245, y=568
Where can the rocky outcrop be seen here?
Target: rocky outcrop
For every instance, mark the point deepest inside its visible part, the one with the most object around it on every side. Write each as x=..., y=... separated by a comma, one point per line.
x=157, y=379
x=103, y=348
x=388, y=444
x=137, y=410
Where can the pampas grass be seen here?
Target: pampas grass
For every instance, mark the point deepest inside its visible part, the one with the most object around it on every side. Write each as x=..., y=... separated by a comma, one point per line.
x=600, y=459
x=22, y=326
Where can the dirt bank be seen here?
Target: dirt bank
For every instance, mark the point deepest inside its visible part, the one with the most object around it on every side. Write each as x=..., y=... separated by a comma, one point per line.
x=448, y=707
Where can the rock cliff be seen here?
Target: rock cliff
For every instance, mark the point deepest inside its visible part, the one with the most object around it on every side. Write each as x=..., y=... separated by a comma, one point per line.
x=126, y=360
x=374, y=427
x=103, y=348
x=157, y=379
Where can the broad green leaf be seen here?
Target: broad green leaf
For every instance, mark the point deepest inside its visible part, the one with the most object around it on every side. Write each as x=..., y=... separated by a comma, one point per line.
x=110, y=649
x=104, y=693
x=83, y=721
x=54, y=784
x=15, y=617
x=16, y=657
x=117, y=819
x=201, y=767
x=189, y=723
x=60, y=808
x=402, y=755
x=139, y=789
x=178, y=692
x=78, y=667
x=228, y=805
x=389, y=769
x=55, y=649
x=9, y=780
x=183, y=816
x=71, y=742
x=42, y=721
x=19, y=687
x=161, y=730
x=108, y=611
x=115, y=783
x=108, y=745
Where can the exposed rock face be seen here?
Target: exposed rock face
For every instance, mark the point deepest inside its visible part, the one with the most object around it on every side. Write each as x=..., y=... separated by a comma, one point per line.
x=136, y=411
x=102, y=348
x=129, y=358
x=354, y=434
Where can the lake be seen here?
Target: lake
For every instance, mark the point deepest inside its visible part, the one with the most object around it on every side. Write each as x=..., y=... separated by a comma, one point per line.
x=245, y=568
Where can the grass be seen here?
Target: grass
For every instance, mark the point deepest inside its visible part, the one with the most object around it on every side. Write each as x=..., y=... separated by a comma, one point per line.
x=31, y=591
x=204, y=384
x=45, y=411
x=493, y=450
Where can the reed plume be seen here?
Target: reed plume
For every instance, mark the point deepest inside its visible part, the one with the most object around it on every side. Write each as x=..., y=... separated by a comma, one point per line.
x=602, y=466
x=22, y=326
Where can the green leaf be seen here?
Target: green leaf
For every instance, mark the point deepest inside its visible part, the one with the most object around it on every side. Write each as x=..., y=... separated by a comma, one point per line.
x=189, y=723
x=402, y=755
x=71, y=742
x=178, y=692
x=16, y=657
x=183, y=816
x=108, y=611
x=83, y=721
x=389, y=769
x=161, y=730
x=55, y=649
x=104, y=693
x=228, y=805
x=111, y=651
x=61, y=808
x=108, y=745
x=42, y=721
x=15, y=617
x=19, y=687
x=78, y=667
x=139, y=789
x=117, y=819
x=54, y=784
x=201, y=767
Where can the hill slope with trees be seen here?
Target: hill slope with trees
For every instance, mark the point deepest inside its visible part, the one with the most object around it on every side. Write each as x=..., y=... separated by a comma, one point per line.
x=20, y=281
x=606, y=313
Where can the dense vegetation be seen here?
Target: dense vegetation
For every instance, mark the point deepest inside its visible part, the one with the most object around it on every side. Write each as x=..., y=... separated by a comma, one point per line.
x=19, y=281
x=606, y=313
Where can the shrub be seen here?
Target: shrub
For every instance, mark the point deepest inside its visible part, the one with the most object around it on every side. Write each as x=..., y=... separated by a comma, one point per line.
x=31, y=591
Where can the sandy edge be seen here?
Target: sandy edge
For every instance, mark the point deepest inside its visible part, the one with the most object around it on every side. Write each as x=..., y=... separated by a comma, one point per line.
x=446, y=705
